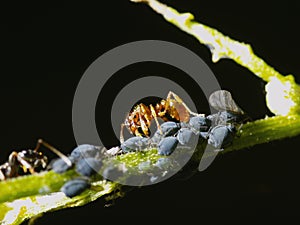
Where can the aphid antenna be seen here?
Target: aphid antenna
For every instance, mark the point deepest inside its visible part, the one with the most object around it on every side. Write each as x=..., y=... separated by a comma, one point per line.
x=57, y=152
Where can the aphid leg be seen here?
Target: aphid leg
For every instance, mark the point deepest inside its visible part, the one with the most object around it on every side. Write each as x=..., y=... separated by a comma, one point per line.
x=14, y=156
x=57, y=152
x=179, y=100
x=155, y=118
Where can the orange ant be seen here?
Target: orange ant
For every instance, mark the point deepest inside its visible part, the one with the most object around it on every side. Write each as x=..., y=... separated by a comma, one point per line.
x=139, y=119
x=28, y=161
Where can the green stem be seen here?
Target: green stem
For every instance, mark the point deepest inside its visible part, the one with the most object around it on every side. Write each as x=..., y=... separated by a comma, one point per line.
x=266, y=130
x=40, y=183
x=39, y=193
x=19, y=210
x=222, y=46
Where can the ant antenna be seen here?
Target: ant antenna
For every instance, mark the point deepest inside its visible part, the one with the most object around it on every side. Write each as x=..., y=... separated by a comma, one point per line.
x=57, y=152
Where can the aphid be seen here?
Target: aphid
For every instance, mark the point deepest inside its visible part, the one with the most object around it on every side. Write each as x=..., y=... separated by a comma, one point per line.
x=28, y=161
x=221, y=136
x=167, y=129
x=85, y=151
x=199, y=124
x=75, y=187
x=135, y=144
x=228, y=110
x=80, y=152
x=88, y=166
x=186, y=136
x=114, y=172
x=163, y=163
x=59, y=165
x=225, y=121
x=167, y=145
x=139, y=119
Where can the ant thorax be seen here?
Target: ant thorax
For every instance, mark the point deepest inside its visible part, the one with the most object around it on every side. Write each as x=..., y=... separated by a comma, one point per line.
x=139, y=119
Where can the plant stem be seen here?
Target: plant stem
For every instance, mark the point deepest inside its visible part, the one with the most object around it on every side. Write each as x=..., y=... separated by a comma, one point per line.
x=266, y=130
x=39, y=193
x=221, y=46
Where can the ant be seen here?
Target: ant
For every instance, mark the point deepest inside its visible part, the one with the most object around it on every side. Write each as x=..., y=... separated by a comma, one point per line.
x=28, y=161
x=139, y=119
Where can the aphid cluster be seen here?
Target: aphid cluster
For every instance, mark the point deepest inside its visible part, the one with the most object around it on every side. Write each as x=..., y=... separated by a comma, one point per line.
x=182, y=128
x=218, y=129
x=86, y=160
x=167, y=137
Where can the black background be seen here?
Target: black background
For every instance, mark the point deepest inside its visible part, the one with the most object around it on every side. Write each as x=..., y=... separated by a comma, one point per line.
x=45, y=49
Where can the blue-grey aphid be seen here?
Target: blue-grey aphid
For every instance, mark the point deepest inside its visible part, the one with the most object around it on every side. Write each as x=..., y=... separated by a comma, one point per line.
x=186, y=136
x=75, y=187
x=229, y=115
x=88, y=166
x=169, y=128
x=135, y=144
x=114, y=172
x=163, y=163
x=167, y=145
x=199, y=124
x=59, y=165
x=228, y=110
x=84, y=151
x=166, y=129
x=221, y=136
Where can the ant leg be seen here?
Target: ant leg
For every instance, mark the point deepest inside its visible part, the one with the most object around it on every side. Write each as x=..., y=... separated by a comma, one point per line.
x=57, y=152
x=155, y=118
x=179, y=100
x=2, y=177
x=38, y=145
x=122, y=133
x=143, y=126
x=161, y=114
x=14, y=156
x=125, y=123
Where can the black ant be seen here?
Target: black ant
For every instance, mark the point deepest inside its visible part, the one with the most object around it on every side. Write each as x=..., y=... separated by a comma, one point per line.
x=28, y=161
